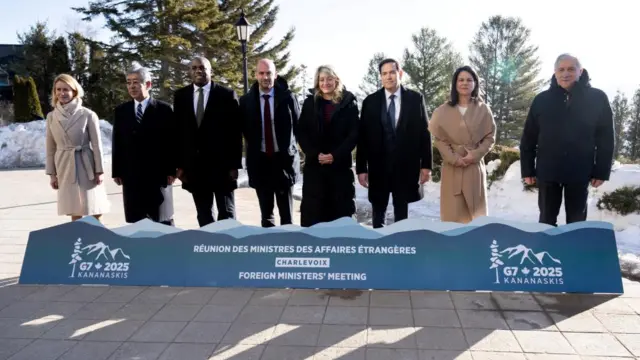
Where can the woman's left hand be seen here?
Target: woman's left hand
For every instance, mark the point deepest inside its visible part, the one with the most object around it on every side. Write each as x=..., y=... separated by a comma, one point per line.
x=99, y=178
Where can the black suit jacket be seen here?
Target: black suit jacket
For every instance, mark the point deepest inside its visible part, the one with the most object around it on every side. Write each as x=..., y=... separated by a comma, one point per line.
x=396, y=170
x=142, y=152
x=283, y=171
x=209, y=152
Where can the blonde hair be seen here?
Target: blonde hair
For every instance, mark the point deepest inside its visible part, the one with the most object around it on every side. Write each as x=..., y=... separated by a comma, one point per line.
x=328, y=69
x=78, y=92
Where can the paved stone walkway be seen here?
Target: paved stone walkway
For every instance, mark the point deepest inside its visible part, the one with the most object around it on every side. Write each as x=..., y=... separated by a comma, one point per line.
x=149, y=323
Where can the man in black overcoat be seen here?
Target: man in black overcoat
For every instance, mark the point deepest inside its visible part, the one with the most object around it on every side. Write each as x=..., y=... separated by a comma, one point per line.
x=270, y=113
x=568, y=142
x=394, y=154
x=143, y=158
x=210, y=142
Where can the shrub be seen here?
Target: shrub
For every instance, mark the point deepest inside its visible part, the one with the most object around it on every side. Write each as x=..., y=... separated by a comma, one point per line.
x=35, y=109
x=6, y=113
x=26, y=102
x=624, y=200
x=507, y=157
x=20, y=99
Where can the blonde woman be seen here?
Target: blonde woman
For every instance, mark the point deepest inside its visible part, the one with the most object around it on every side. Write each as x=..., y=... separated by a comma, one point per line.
x=74, y=152
x=464, y=132
x=328, y=133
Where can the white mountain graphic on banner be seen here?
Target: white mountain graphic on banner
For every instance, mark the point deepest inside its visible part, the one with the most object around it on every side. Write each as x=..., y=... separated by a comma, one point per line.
x=540, y=258
x=105, y=251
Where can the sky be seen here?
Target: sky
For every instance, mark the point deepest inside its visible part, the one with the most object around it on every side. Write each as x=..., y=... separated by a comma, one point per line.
x=346, y=33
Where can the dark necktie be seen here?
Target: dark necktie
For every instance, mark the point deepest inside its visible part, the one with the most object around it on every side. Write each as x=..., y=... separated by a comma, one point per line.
x=391, y=113
x=139, y=113
x=200, y=106
x=268, y=136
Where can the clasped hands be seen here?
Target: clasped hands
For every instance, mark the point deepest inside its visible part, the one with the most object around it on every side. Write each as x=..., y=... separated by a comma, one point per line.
x=325, y=159
x=466, y=160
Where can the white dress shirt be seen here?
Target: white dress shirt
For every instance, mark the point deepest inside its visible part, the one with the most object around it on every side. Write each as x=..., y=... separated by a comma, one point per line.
x=205, y=92
x=144, y=103
x=396, y=101
x=273, y=127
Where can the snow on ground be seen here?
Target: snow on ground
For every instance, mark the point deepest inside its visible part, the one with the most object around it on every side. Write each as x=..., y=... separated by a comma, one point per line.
x=23, y=145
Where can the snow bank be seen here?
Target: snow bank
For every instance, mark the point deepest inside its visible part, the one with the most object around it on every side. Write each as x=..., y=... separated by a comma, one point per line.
x=22, y=145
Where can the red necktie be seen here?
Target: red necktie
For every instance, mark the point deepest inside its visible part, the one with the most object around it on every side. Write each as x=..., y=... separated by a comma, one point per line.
x=268, y=136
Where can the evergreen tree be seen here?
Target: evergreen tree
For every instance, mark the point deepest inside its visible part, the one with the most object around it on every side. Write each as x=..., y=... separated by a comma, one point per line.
x=633, y=132
x=306, y=82
x=59, y=61
x=106, y=83
x=508, y=67
x=20, y=103
x=33, y=101
x=37, y=43
x=430, y=65
x=26, y=103
x=165, y=35
x=79, y=58
x=262, y=14
x=621, y=112
x=371, y=81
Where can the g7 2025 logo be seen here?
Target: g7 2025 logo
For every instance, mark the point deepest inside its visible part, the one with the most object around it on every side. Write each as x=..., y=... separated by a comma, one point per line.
x=522, y=265
x=98, y=261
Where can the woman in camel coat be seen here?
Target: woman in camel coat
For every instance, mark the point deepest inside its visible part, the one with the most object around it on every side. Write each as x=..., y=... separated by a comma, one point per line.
x=464, y=132
x=74, y=152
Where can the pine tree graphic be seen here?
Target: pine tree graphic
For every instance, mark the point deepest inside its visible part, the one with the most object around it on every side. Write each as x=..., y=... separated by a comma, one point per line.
x=495, y=259
x=75, y=256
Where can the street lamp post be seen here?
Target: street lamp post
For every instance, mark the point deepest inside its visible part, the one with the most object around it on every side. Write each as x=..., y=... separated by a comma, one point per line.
x=242, y=28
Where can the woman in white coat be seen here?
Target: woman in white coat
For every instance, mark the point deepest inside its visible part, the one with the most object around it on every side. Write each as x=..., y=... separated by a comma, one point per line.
x=74, y=152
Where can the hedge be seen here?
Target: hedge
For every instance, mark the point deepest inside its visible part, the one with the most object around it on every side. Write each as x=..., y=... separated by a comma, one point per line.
x=26, y=103
x=624, y=200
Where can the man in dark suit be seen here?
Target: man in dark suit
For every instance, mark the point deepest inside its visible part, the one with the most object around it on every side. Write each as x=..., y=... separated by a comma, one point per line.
x=270, y=115
x=210, y=143
x=143, y=161
x=394, y=153
x=568, y=142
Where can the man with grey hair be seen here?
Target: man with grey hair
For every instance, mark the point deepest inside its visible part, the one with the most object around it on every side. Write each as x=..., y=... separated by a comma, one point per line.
x=209, y=142
x=143, y=162
x=567, y=143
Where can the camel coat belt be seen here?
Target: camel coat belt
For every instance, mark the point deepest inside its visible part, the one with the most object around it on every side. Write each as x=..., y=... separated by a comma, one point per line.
x=86, y=156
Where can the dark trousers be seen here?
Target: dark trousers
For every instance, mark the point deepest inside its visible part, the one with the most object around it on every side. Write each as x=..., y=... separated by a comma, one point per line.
x=284, y=200
x=550, y=199
x=400, y=212
x=225, y=201
x=328, y=194
x=138, y=207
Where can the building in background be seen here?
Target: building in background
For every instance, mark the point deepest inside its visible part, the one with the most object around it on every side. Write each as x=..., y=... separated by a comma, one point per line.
x=9, y=54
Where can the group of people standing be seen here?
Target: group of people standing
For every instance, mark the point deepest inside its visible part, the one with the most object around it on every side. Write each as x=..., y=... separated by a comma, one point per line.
x=200, y=140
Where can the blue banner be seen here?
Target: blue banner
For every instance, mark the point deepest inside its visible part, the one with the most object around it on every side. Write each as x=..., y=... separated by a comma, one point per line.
x=410, y=255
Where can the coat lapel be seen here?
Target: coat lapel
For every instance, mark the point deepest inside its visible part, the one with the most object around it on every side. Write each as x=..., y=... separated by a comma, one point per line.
x=190, y=105
x=402, y=121
x=71, y=121
x=149, y=110
x=383, y=107
x=66, y=124
x=209, y=107
x=469, y=119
